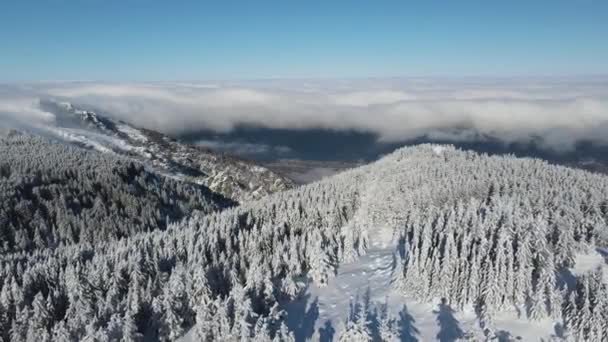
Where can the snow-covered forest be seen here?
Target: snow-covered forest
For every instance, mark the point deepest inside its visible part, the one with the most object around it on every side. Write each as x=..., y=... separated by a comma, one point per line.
x=53, y=194
x=487, y=232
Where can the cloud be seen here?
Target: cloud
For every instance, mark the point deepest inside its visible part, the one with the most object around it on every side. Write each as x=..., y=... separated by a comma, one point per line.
x=369, y=98
x=23, y=112
x=555, y=112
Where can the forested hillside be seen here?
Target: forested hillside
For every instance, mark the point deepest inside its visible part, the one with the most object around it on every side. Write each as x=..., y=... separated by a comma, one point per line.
x=490, y=232
x=53, y=194
x=236, y=179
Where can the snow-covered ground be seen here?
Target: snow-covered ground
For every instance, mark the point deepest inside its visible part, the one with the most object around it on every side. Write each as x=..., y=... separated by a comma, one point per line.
x=323, y=310
x=133, y=133
x=320, y=314
x=76, y=136
x=587, y=262
x=438, y=149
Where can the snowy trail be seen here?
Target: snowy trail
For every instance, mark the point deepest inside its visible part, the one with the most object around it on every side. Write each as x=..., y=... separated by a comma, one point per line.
x=324, y=309
x=320, y=314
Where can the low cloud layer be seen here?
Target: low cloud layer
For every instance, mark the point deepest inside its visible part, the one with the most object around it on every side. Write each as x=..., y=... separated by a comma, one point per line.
x=556, y=113
x=20, y=111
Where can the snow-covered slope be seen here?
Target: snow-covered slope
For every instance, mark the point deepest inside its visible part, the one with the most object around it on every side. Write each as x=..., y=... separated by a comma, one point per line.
x=234, y=178
x=54, y=194
x=371, y=289
x=463, y=245
x=322, y=313
x=423, y=227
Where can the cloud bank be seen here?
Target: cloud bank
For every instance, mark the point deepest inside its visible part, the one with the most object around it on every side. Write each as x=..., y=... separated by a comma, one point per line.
x=23, y=112
x=555, y=113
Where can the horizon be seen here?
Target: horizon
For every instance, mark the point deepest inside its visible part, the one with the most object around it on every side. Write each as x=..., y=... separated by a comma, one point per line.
x=236, y=81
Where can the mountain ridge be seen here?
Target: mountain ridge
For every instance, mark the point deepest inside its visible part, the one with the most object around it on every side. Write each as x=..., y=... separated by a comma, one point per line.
x=234, y=178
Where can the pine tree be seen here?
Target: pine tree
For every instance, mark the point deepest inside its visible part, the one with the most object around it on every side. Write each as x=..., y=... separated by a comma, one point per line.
x=357, y=329
x=388, y=331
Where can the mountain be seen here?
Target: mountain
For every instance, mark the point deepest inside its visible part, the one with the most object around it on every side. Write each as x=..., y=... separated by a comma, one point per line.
x=429, y=242
x=53, y=194
x=231, y=177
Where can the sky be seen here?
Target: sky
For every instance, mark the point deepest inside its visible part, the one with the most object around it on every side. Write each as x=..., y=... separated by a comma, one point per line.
x=133, y=40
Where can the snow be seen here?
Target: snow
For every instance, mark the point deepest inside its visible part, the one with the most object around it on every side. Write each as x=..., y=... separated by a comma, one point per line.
x=132, y=133
x=438, y=150
x=332, y=303
x=100, y=142
x=77, y=137
x=321, y=312
x=142, y=151
x=588, y=262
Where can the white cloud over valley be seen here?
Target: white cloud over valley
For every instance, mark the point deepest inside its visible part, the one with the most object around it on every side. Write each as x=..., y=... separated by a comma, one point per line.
x=557, y=112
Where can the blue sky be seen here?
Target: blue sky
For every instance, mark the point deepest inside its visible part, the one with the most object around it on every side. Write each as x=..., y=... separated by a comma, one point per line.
x=201, y=40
